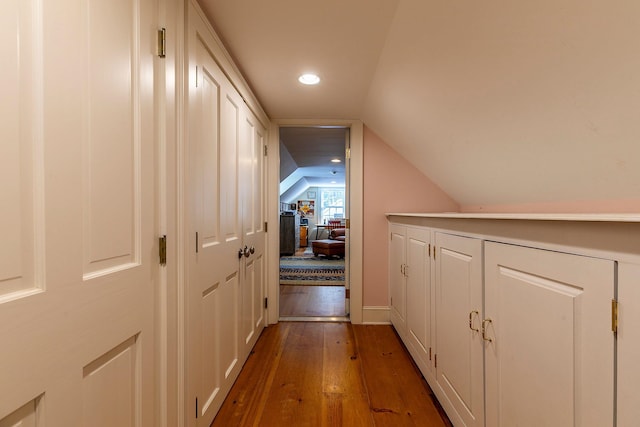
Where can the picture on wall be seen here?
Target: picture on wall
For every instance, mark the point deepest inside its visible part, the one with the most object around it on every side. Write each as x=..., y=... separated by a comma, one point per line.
x=306, y=208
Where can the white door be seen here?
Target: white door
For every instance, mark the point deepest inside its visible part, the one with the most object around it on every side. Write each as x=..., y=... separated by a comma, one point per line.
x=78, y=261
x=397, y=280
x=550, y=358
x=214, y=233
x=459, y=364
x=251, y=171
x=418, y=273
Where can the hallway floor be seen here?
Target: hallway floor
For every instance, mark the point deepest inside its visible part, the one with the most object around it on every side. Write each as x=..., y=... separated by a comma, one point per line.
x=330, y=374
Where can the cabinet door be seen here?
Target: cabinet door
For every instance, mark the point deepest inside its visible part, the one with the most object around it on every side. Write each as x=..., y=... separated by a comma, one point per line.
x=418, y=274
x=459, y=364
x=397, y=282
x=550, y=358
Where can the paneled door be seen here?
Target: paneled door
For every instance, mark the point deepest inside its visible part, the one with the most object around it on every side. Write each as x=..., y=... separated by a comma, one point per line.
x=77, y=262
x=215, y=249
x=225, y=216
x=459, y=352
x=251, y=171
x=550, y=360
x=397, y=279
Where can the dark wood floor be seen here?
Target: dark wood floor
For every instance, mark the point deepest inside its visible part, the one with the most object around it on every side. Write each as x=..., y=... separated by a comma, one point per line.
x=329, y=374
x=310, y=301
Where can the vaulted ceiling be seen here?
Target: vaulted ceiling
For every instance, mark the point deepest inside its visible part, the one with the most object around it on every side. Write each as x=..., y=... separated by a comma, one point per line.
x=498, y=102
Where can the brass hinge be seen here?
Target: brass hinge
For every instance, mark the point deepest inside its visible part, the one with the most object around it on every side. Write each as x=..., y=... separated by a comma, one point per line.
x=162, y=42
x=347, y=153
x=266, y=226
x=266, y=150
x=347, y=294
x=614, y=316
x=266, y=303
x=162, y=249
x=347, y=223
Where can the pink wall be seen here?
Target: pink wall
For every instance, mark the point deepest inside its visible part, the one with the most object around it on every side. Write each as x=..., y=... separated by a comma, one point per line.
x=579, y=206
x=391, y=184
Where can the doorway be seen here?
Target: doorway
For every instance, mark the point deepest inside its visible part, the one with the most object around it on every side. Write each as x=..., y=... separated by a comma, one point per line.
x=313, y=210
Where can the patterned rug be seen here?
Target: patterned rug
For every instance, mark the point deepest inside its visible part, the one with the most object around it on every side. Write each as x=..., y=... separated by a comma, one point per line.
x=311, y=271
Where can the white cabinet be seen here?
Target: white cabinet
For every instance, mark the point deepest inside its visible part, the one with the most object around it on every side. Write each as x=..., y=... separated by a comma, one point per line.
x=458, y=307
x=521, y=317
x=550, y=358
x=412, y=292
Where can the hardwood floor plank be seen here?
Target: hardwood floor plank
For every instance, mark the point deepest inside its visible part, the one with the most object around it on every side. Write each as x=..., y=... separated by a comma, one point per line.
x=345, y=392
x=398, y=394
x=246, y=400
x=311, y=301
x=295, y=396
x=329, y=374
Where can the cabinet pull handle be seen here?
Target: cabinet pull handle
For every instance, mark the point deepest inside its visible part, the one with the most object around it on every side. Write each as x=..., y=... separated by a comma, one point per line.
x=484, y=330
x=471, y=321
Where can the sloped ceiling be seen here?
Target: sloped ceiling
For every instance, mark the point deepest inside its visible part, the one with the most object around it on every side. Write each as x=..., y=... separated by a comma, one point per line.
x=498, y=102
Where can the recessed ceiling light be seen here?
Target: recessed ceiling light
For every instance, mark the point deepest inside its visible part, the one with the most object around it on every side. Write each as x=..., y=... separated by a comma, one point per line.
x=309, y=79
x=335, y=160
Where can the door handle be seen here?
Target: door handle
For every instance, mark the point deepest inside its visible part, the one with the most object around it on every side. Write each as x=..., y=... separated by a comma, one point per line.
x=252, y=250
x=247, y=253
x=471, y=321
x=484, y=330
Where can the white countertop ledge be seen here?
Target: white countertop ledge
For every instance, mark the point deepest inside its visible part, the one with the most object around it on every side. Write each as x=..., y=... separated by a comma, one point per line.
x=526, y=216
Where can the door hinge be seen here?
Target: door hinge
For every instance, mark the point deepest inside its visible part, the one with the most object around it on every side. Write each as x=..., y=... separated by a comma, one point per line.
x=434, y=252
x=347, y=294
x=266, y=303
x=347, y=153
x=429, y=250
x=347, y=223
x=266, y=226
x=162, y=42
x=197, y=243
x=614, y=316
x=196, y=407
x=162, y=249
x=266, y=150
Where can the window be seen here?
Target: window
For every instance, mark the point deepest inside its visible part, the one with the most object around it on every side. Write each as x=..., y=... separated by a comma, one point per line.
x=331, y=204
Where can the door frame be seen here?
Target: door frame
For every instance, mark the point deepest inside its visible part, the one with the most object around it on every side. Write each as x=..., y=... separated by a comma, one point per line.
x=355, y=184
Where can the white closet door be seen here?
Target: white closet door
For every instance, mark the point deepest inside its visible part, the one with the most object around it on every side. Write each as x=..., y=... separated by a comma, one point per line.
x=251, y=172
x=77, y=260
x=216, y=286
x=550, y=358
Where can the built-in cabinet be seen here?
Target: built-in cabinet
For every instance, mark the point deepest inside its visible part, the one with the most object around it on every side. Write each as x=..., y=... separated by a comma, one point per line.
x=514, y=328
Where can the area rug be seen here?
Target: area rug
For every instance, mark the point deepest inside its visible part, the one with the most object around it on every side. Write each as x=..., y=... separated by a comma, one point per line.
x=311, y=271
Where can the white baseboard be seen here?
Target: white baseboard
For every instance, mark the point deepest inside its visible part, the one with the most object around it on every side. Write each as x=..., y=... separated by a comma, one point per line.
x=375, y=316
